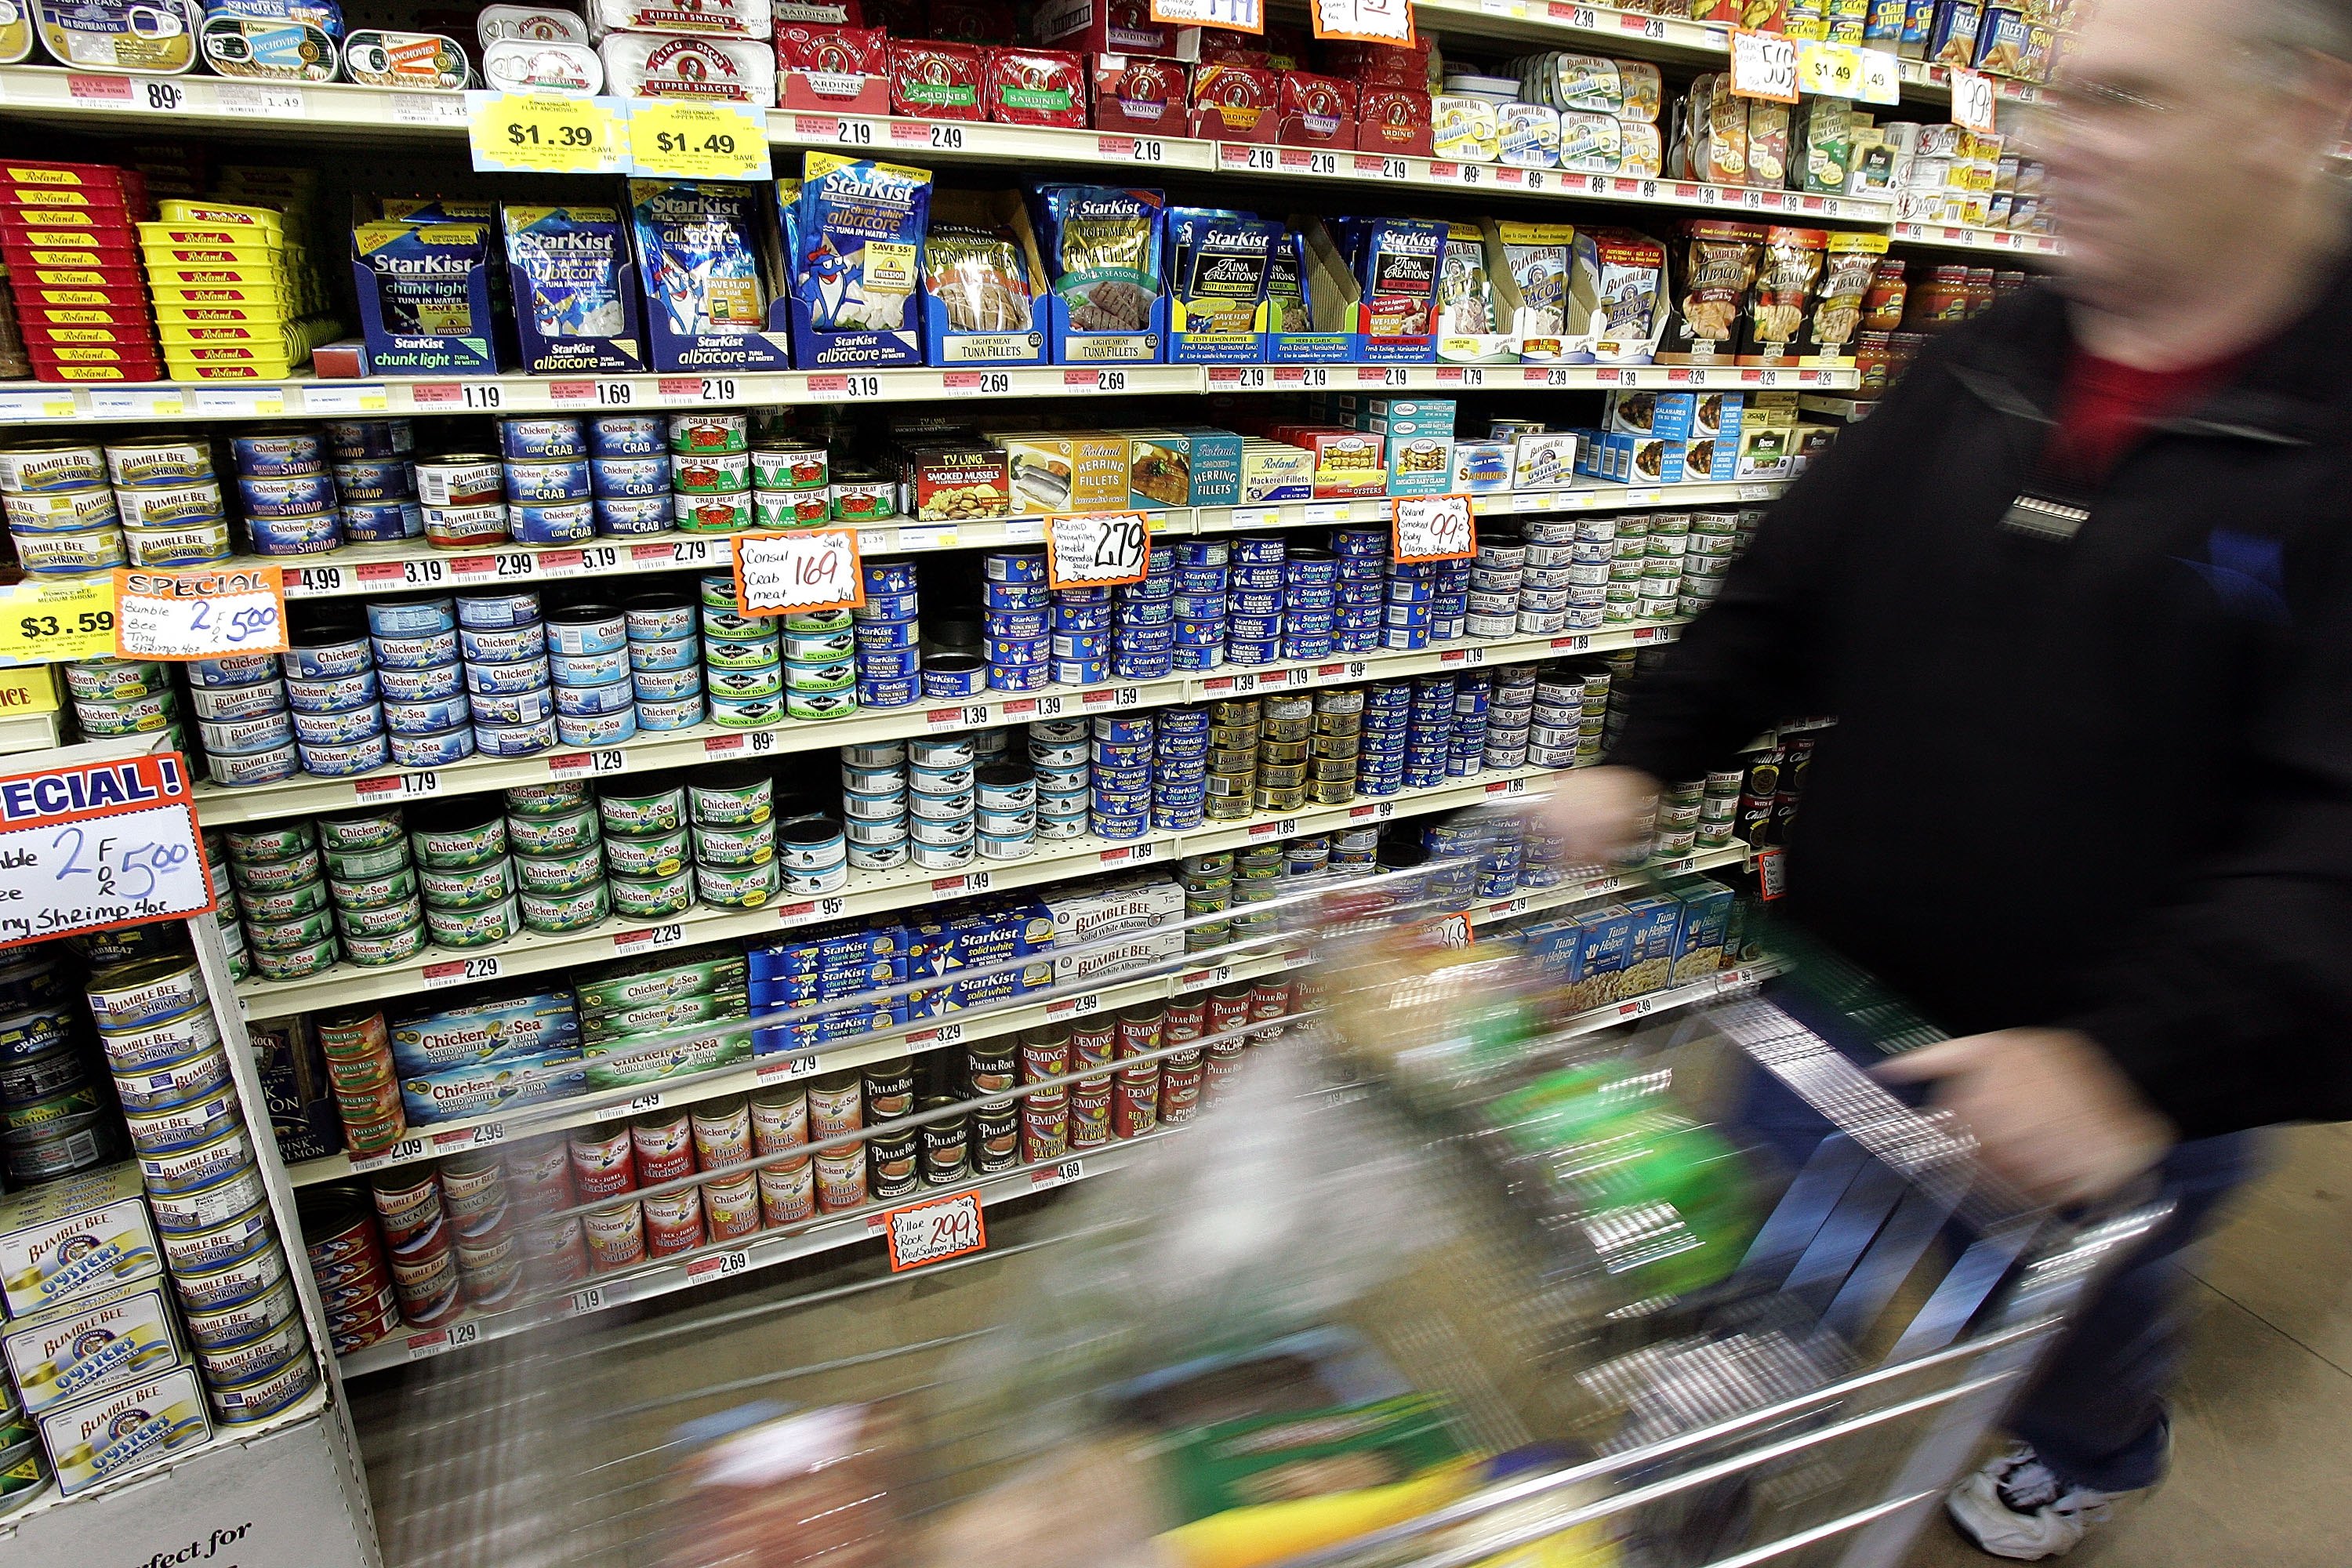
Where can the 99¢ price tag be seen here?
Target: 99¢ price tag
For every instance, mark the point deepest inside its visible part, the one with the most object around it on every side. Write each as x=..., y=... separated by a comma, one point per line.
x=546, y=133
x=1096, y=548
x=1434, y=528
x=934, y=1232
x=792, y=572
x=1972, y=101
x=204, y=613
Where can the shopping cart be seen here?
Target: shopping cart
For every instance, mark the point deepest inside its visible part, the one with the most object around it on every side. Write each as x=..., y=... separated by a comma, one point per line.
x=1804, y=1402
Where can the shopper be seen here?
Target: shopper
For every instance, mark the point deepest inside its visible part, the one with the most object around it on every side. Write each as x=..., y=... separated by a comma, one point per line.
x=2079, y=592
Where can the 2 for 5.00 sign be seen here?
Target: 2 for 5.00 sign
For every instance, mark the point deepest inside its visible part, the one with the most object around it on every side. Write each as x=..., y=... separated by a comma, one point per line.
x=98, y=847
x=204, y=613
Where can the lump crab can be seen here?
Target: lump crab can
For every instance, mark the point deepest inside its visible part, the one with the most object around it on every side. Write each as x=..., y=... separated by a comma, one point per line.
x=542, y=438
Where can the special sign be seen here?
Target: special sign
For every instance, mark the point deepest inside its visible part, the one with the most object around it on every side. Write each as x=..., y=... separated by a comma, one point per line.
x=99, y=847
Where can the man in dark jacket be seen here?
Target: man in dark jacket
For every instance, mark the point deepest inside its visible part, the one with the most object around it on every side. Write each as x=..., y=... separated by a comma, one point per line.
x=2080, y=594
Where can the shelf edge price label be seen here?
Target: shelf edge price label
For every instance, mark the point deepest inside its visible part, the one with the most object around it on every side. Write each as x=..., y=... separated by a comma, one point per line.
x=543, y=132
x=52, y=623
x=1096, y=548
x=798, y=571
x=1434, y=528
x=1973, y=102
x=199, y=612
x=1764, y=65
x=934, y=1232
x=699, y=141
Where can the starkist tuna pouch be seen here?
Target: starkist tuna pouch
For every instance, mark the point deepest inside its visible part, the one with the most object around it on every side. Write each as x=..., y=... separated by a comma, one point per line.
x=567, y=270
x=424, y=274
x=695, y=255
x=857, y=240
x=1224, y=260
x=1103, y=246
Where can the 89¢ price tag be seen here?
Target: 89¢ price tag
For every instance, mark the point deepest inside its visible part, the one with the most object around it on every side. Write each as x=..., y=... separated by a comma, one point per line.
x=934, y=1232
x=1096, y=548
x=1434, y=528
x=796, y=570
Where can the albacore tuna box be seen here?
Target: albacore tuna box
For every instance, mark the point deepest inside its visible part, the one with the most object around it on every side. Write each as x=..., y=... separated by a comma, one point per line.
x=1127, y=909
x=489, y=1030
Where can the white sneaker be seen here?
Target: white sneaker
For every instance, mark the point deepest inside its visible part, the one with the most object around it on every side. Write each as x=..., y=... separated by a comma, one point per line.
x=2016, y=1507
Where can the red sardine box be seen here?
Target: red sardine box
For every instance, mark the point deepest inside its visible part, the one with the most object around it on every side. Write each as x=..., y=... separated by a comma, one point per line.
x=1235, y=103
x=1138, y=93
x=1315, y=112
x=1393, y=120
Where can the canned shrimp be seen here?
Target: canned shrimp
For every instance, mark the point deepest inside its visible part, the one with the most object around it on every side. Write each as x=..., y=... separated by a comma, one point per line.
x=140, y=1049
x=234, y=1324
x=296, y=496
x=226, y=1284
x=161, y=1087
x=238, y=1238
x=138, y=995
x=255, y=1358
x=49, y=465
x=203, y=1207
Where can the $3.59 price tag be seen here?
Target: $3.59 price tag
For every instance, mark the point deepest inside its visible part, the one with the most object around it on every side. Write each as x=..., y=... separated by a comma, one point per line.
x=797, y=571
x=200, y=614
x=1096, y=548
x=934, y=1232
x=544, y=131
x=699, y=141
x=1434, y=528
x=49, y=623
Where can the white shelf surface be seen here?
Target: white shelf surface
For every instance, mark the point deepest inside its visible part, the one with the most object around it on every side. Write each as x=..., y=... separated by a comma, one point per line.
x=852, y=1227
x=219, y=807
x=1968, y=237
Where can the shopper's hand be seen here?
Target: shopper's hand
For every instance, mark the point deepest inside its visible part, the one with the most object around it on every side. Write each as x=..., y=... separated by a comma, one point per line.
x=2050, y=1113
x=1599, y=812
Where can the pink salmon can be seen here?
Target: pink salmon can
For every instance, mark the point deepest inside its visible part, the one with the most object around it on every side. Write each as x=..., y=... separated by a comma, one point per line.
x=673, y=1223
x=840, y=1178
x=787, y=1193
x=1179, y=1087
x=722, y=1134
x=601, y=1165
x=779, y=1120
x=1188, y=1019
x=614, y=1236
x=731, y=1208
x=665, y=1148
x=1224, y=1062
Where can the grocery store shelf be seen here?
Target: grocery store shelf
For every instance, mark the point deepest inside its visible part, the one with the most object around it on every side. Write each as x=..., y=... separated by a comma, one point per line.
x=302, y=1410
x=373, y=568
x=868, y=893
x=1853, y=410
x=31, y=403
x=1968, y=236
x=852, y=1227
x=1536, y=900
x=429, y=1143
x=220, y=806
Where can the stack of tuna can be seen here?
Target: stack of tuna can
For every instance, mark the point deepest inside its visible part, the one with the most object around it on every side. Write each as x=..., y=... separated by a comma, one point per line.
x=1007, y=811
x=943, y=801
x=1180, y=769
x=1363, y=556
x=745, y=655
x=1509, y=716
x=51, y=1121
x=1232, y=758
x=1122, y=798
x=1253, y=602
x=732, y=813
x=1311, y=596
x=112, y=698
x=559, y=857
x=665, y=661
x=1060, y=765
x=1334, y=744
x=874, y=805
x=1141, y=640
x=889, y=638
x=1016, y=607
x=820, y=651
x=588, y=659
x=645, y=848
x=1203, y=570
x=281, y=887
x=372, y=889
x=203, y=1188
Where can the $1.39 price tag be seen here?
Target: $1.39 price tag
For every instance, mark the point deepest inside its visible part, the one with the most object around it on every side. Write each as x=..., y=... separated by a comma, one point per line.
x=1096, y=548
x=50, y=623
x=699, y=141
x=798, y=571
x=934, y=1232
x=204, y=613
x=545, y=131
x=1764, y=65
x=1434, y=528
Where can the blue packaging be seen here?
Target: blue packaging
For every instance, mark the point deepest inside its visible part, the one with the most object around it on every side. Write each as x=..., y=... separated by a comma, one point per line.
x=1306, y=645
x=1016, y=678
x=587, y=702
x=1121, y=730
x=423, y=281
x=889, y=577
x=882, y=636
x=599, y=669
x=501, y=644
x=1309, y=623
x=494, y=612
x=427, y=718
x=363, y=756
x=1254, y=604
x=955, y=679
x=1300, y=596
x=1206, y=581
x=682, y=712
x=416, y=651
x=889, y=663
x=552, y=523
x=1105, y=825
x=1251, y=651
x=1145, y=616
x=619, y=476
x=627, y=435
x=535, y=437
x=1253, y=628
x=514, y=740
x=340, y=695
x=412, y=617
x=1265, y=579
x=422, y=685
x=554, y=479
x=1111, y=780
x=513, y=707
x=1014, y=622
x=856, y=233
x=665, y=653
x=597, y=729
x=702, y=257
x=278, y=454
x=338, y=729
x=1081, y=645
x=381, y=522
x=1260, y=549
x=354, y=439
x=493, y=679
x=1081, y=618
x=628, y=517
x=1015, y=566
x=1078, y=671
x=888, y=693
x=1143, y=666
x=1021, y=651
x=887, y=605
x=373, y=479
x=574, y=290
x=438, y=749
x=310, y=534
x=1147, y=639
x=667, y=685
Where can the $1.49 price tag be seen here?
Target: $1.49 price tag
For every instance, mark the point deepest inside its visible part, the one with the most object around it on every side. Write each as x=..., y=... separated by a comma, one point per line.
x=1096, y=548
x=798, y=571
x=1434, y=528
x=699, y=141
x=934, y=1232
x=545, y=131
x=204, y=613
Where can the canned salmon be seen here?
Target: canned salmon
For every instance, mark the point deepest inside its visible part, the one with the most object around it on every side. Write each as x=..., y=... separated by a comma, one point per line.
x=787, y=1193
x=1179, y=1087
x=1093, y=1043
x=615, y=1236
x=722, y=1133
x=731, y=1207
x=1137, y=1030
x=779, y=1121
x=1044, y=1126
x=1135, y=1101
x=1090, y=1101
x=840, y=1178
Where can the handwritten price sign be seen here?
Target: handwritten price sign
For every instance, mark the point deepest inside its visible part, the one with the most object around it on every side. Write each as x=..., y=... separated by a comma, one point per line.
x=1434, y=528
x=97, y=847
x=204, y=613
x=798, y=571
x=1764, y=65
x=1973, y=102
x=1096, y=548
x=934, y=1232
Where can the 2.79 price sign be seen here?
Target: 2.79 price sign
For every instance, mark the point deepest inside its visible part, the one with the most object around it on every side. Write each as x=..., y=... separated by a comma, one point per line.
x=1096, y=548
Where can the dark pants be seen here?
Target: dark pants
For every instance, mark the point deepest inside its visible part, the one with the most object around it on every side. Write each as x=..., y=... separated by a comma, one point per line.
x=2095, y=1414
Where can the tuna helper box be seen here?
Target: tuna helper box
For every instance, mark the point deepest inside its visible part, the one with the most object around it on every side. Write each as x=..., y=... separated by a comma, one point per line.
x=710, y=276
x=574, y=287
x=425, y=283
x=853, y=229
x=982, y=277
